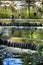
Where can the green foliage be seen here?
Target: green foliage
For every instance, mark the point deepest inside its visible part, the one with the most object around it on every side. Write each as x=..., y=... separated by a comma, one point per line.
x=4, y=15
x=24, y=13
x=35, y=34
x=39, y=48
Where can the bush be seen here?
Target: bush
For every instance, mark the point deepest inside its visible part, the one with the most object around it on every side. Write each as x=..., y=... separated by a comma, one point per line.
x=4, y=15
x=39, y=48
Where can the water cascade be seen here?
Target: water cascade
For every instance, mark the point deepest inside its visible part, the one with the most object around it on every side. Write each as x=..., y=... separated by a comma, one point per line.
x=18, y=44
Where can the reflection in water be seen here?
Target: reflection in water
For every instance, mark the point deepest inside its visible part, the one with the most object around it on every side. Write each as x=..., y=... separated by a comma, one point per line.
x=12, y=61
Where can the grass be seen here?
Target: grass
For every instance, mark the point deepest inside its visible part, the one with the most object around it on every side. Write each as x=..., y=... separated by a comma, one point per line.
x=25, y=36
x=17, y=39
x=6, y=13
x=36, y=34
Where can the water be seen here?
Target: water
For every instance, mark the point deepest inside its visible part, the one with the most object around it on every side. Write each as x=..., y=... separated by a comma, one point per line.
x=12, y=61
x=23, y=60
x=10, y=57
